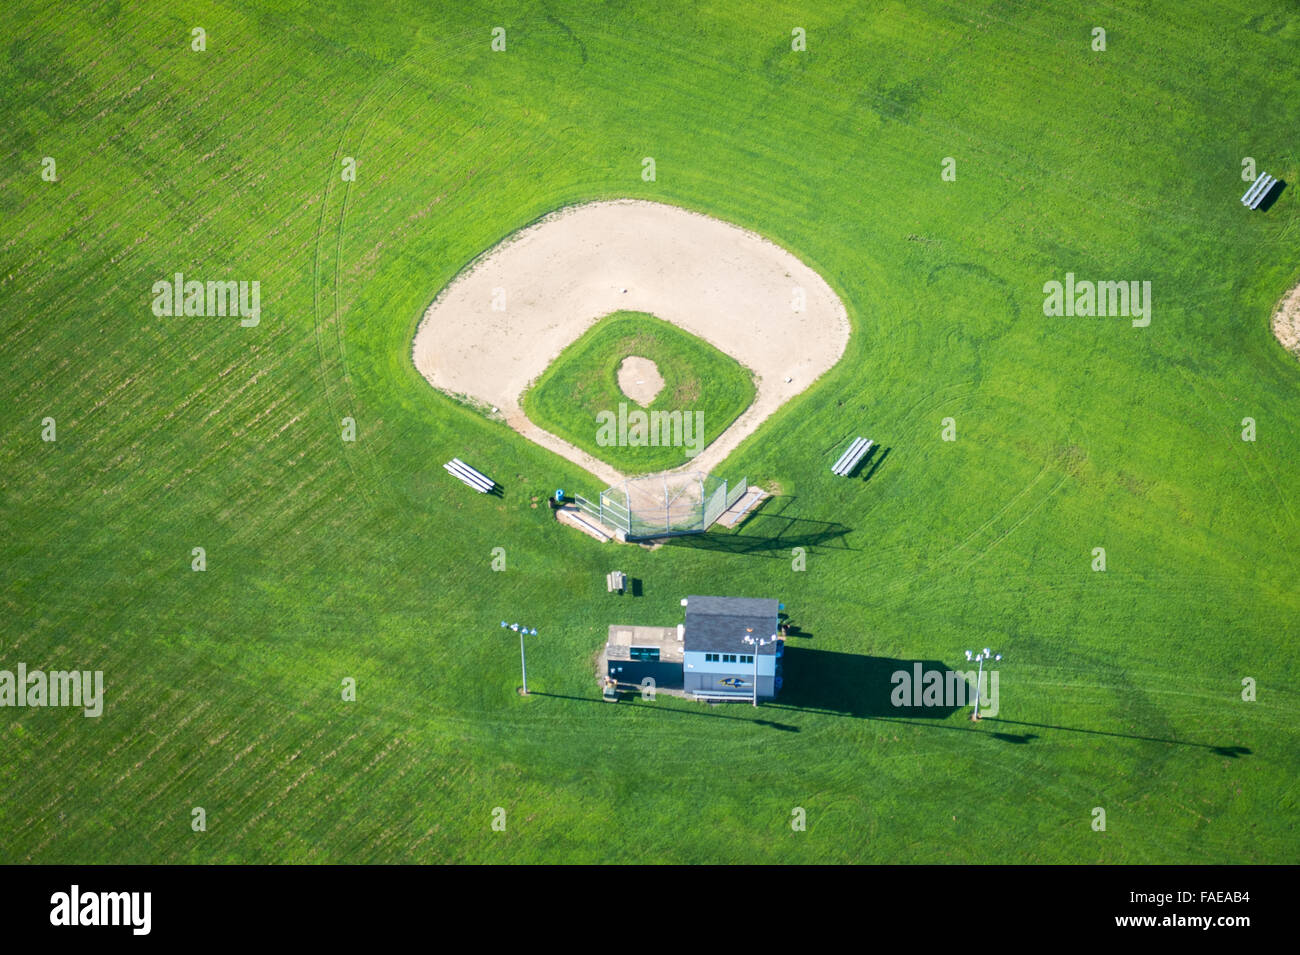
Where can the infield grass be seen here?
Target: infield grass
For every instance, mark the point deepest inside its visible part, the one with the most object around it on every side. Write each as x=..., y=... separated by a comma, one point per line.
x=578, y=396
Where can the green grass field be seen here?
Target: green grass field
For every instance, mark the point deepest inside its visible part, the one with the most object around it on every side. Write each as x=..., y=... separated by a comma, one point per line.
x=329, y=559
x=582, y=384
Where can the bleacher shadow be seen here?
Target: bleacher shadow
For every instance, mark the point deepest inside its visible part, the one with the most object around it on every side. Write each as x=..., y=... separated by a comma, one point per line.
x=858, y=685
x=1270, y=197
x=874, y=460
x=768, y=529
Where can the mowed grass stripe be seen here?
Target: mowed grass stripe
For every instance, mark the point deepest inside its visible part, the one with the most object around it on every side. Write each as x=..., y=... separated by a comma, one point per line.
x=397, y=588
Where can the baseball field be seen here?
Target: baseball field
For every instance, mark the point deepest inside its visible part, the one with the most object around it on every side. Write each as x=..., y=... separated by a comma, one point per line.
x=239, y=515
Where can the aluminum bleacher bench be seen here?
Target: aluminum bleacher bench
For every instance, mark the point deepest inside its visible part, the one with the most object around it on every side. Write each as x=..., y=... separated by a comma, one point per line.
x=1260, y=188
x=850, y=458
x=467, y=475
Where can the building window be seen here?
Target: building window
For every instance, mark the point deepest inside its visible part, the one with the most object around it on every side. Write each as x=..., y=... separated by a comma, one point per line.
x=644, y=654
x=728, y=658
x=710, y=658
x=746, y=658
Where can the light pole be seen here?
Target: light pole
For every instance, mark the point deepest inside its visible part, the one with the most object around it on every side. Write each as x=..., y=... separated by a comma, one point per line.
x=983, y=655
x=756, y=643
x=523, y=663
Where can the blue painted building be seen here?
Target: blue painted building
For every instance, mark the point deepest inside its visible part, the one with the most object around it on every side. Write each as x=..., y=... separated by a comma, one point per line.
x=723, y=648
x=719, y=662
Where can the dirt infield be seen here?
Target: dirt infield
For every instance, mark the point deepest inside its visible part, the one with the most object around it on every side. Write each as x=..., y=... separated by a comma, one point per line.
x=494, y=329
x=1286, y=322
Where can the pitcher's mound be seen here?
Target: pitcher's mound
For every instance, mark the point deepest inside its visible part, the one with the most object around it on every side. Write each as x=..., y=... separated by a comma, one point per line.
x=639, y=379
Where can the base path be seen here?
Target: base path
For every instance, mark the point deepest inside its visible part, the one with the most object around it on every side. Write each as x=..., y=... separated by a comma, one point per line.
x=739, y=292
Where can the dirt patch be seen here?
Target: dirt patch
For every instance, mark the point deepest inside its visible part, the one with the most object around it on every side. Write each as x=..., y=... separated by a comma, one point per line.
x=639, y=379
x=1286, y=323
x=499, y=325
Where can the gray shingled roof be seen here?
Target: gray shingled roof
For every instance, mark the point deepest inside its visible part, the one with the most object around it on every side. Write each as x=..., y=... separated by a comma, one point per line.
x=718, y=624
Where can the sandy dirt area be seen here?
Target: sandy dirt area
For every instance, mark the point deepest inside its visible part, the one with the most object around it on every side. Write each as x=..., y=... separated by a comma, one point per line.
x=1286, y=323
x=639, y=379
x=728, y=286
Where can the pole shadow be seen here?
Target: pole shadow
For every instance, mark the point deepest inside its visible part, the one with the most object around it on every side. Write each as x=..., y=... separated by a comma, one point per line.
x=1232, y=752
x=1015, y=738
x=634, y=703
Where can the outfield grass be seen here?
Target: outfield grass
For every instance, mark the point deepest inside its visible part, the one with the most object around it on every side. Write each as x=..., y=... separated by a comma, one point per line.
x=327, y=559
x=581, y=385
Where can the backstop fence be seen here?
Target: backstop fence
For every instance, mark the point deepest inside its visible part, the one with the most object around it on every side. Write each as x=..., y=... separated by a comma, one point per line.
x=663, y=505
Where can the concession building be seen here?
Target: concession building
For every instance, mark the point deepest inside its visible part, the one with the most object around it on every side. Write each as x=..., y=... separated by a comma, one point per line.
x=724, y=646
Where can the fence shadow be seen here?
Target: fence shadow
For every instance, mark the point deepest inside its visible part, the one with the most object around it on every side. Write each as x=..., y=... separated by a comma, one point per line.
x=768, y=529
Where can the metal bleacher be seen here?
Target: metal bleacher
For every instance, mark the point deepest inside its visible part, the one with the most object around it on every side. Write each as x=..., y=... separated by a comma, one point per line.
x=1258, y=190
x=850, y=458
x=478, y=481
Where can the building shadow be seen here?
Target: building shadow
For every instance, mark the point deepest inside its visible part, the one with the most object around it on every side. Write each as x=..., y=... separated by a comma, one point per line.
x=768, y=529
x=1270, y=197
x=867, y=687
